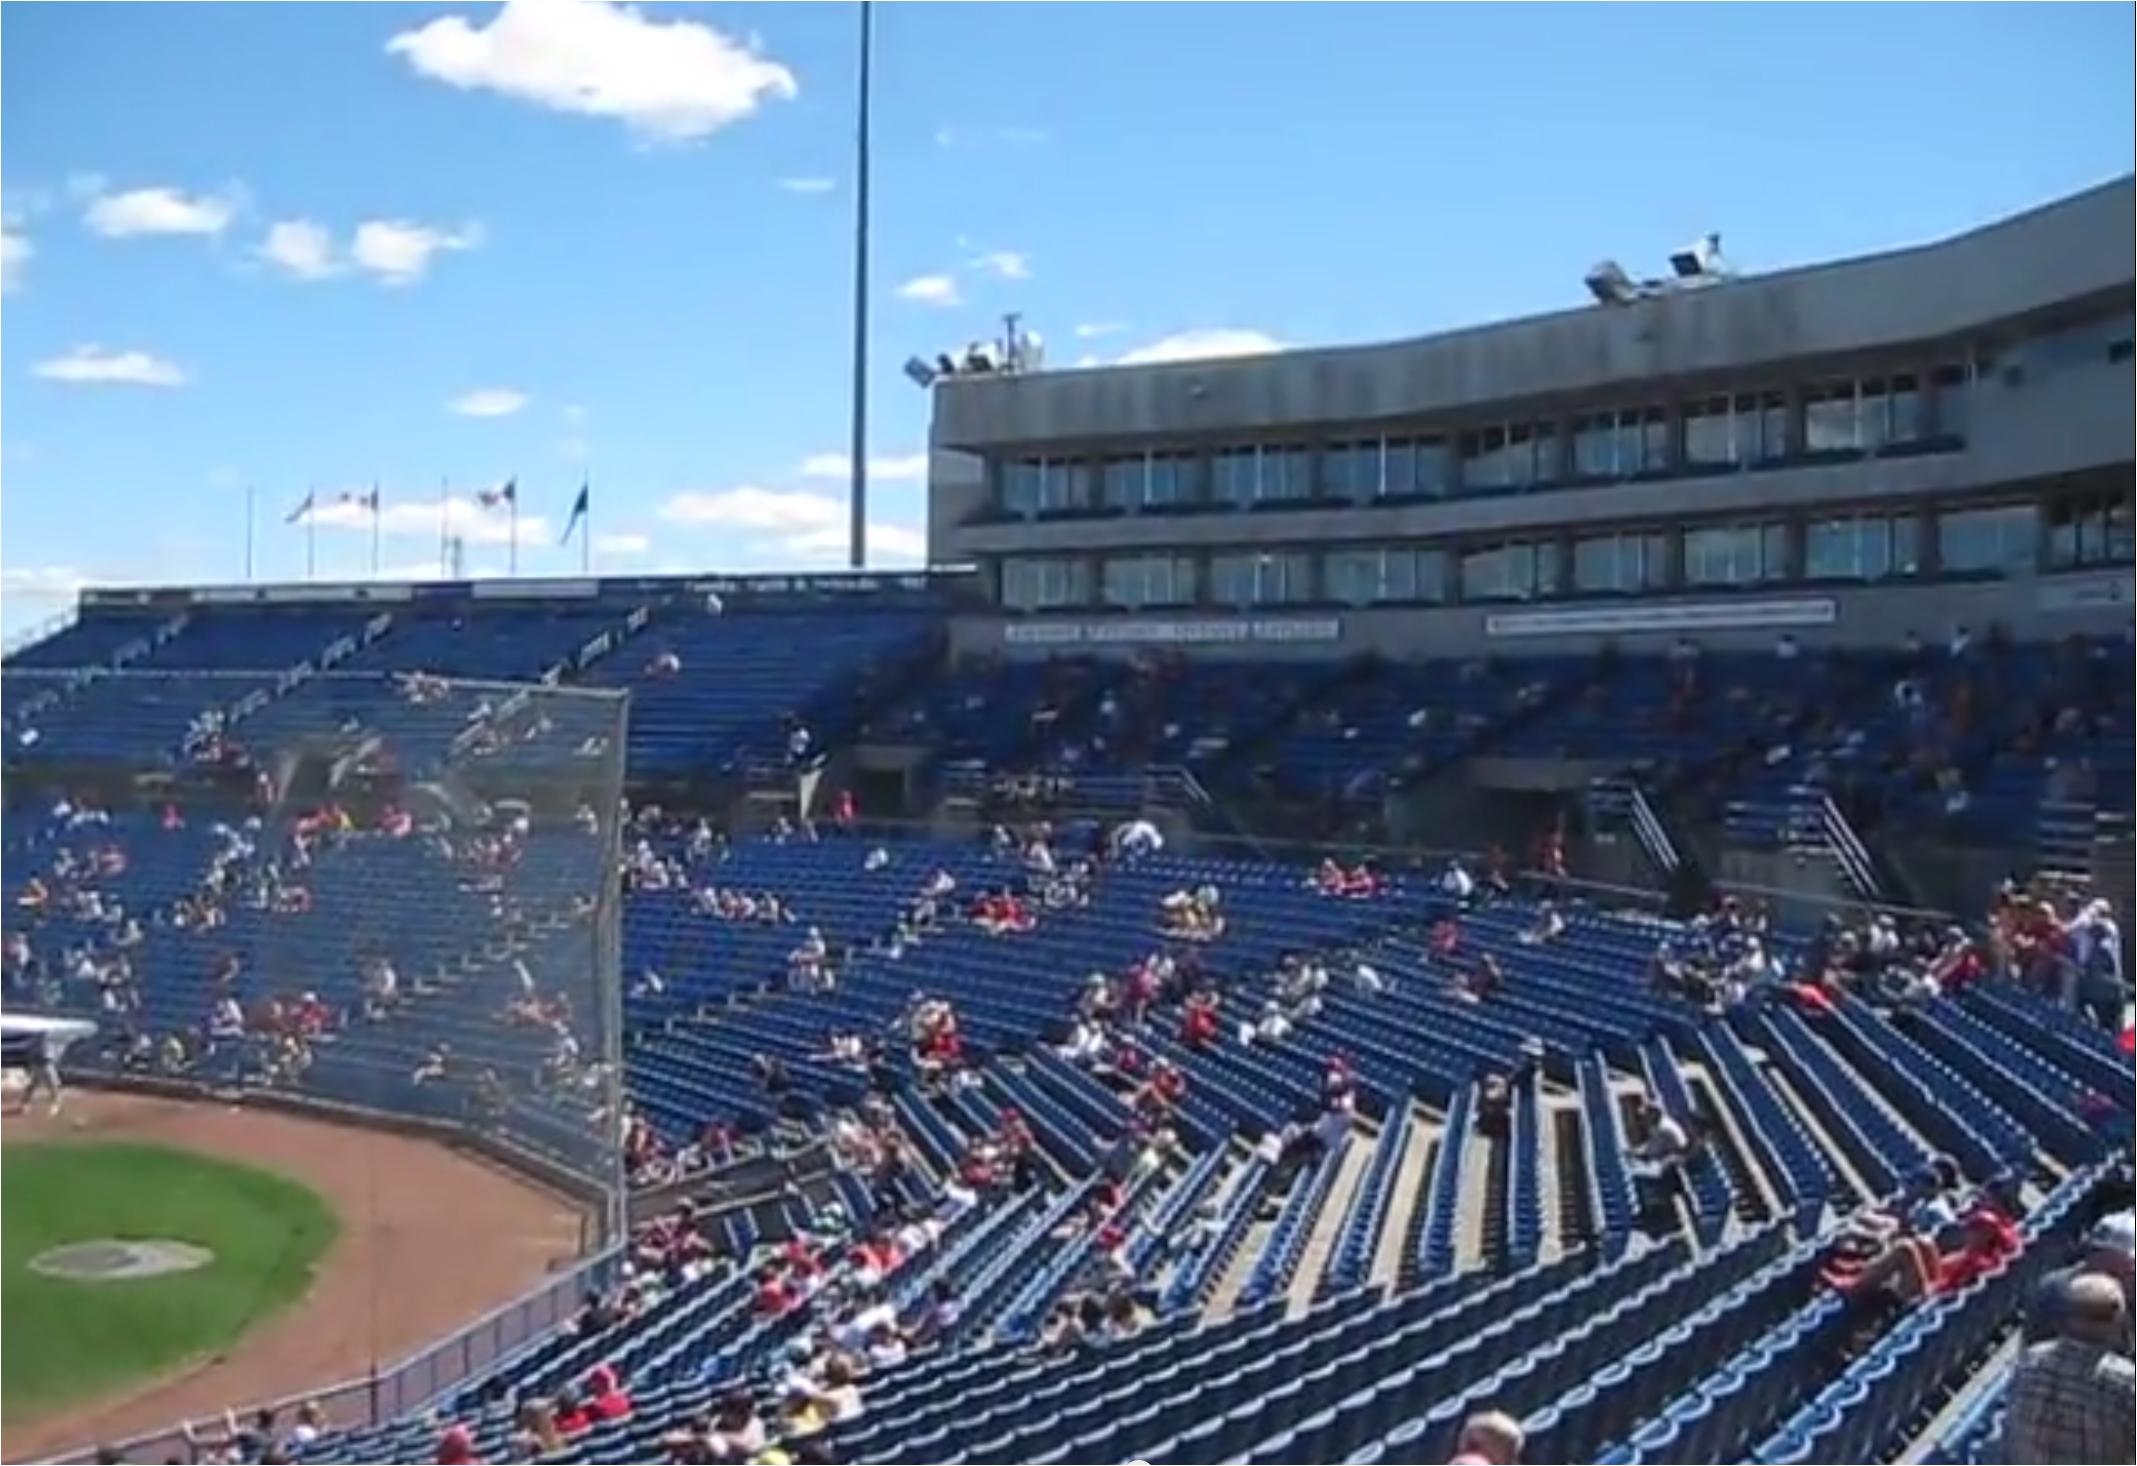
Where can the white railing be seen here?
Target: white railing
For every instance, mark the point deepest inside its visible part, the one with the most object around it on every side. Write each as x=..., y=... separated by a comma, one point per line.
x=1623, y=800
x=50, y=627
x=1849, y=852
x=1652, y=833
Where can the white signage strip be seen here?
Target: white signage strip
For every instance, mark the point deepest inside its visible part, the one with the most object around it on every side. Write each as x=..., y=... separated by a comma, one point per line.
x=1681, y=618
x=1244, y=631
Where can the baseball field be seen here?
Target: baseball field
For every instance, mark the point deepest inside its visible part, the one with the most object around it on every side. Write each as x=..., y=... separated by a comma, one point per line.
x=123, y=1263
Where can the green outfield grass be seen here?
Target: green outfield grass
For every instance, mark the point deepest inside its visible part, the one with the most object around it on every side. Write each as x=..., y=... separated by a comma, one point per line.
x=68, y=1341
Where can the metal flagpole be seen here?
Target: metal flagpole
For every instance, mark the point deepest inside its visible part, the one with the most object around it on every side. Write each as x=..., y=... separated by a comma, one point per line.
x=857, y=499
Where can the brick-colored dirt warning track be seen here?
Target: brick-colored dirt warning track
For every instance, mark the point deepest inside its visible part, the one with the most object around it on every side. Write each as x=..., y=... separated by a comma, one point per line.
x=430, y=1240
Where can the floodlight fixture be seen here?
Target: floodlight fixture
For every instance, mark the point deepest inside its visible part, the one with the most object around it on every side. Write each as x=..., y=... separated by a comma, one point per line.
x=920, y=373
x=1610, y=285
x=1701, y=260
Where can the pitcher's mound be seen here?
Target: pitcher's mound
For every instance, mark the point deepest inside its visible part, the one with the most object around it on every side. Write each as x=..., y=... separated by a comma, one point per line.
x=109, y=1260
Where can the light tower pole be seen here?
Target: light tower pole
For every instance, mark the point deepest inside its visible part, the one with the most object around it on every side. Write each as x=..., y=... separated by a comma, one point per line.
x=857, y=499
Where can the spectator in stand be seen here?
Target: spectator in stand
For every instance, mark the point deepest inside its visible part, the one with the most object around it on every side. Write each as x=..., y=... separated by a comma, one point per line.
x=2110, y=1252
x=1489, y=1438
x=1663, y=1144
x=456, y=1447
x=2073, y=1399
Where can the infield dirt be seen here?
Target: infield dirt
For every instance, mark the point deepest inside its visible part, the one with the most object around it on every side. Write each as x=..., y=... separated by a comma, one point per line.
x=430, y=1240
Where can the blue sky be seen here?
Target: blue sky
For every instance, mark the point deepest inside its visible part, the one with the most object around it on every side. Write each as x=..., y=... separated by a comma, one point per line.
x=260, y=248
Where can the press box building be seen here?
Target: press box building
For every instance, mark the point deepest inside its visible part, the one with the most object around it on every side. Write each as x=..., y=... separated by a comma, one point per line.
x=1935, y=436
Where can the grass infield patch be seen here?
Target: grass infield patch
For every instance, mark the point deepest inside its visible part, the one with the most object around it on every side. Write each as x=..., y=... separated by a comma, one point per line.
x=68, y=1341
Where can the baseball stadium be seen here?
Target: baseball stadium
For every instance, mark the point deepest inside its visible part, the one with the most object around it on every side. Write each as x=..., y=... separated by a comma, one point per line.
x=1553, y=892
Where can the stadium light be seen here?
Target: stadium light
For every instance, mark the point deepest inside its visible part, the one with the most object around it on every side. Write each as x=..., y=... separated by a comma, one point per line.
x=1015, y=352
x=1700, y=261
x=1610, y=285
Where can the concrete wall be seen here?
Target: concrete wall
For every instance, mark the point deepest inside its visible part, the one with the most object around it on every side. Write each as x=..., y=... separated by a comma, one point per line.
x=2076, y=248
x=2098, y=603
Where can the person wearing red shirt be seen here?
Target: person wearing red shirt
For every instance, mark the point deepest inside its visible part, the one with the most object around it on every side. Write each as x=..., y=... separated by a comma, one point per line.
x=1198, y=1025
x=1168, y=1084
x=456, y=1447
x=774, y=1298
x=606, y=1398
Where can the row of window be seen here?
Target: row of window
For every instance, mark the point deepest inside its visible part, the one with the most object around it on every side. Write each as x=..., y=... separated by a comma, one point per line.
x=1713, y=435
x=2007, y=539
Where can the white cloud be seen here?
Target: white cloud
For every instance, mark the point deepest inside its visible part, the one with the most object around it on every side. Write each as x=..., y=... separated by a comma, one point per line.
x=764, y=511
x=399, y=252
x=808, y=185
x=140, y=212
x=300, y=249
x=930, y=290
x=670, y=79
x=95, y=366
x=16, y=252
x=488, y=402
x=40, y=582
x=464, y=517
x=897, y=468
x=890, y=546
x=575, y=445
x=1092, y=330
x=622, y=546
x=1203, y=345
x=793, y=527
x=1004, y=264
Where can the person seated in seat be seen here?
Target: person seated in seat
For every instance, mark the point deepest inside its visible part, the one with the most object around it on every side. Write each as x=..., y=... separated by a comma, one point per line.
x=1446, y=940
x=1913, y=1267
x=1548, y=927
x=1162, y=1094
x=937, y=1044
x=1489, y=1438
x=1200, y=1021
x=1002, y=913
x=1495, y=1107
x=1482, y=981
x=1664, y=1144
x=2110, y=1251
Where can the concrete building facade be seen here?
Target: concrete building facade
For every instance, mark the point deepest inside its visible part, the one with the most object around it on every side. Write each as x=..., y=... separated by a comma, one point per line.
x=1935, y=436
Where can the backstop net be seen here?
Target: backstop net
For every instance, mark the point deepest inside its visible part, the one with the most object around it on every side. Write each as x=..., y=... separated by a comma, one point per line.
x=392, y=896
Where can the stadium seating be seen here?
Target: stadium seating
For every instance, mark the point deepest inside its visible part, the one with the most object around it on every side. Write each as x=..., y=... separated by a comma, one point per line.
x=1480, y=1235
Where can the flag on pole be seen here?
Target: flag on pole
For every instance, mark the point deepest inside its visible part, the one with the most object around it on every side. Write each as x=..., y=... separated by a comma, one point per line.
x=505, y=495
x=580, y=508
x=304, y=514
x=580, y=522
x=371, y=501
